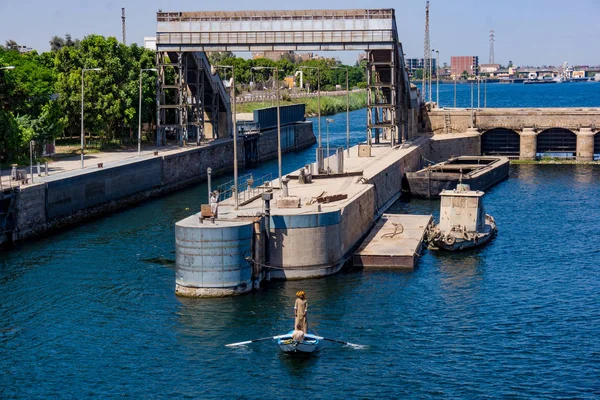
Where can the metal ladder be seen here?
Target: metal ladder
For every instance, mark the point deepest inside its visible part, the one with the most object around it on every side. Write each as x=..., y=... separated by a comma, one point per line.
x=447, y=122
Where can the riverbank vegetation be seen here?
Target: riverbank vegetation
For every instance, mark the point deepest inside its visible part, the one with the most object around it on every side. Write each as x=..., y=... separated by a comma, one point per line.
x=40, y=99
x=329, y=104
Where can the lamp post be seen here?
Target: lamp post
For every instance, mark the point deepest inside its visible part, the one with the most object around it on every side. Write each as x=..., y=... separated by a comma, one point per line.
x=235, y=160
x=430, y=69
x=455, y=92
x=471, y=104
x=328, y=121
x=82, y=87
x=31, y=146
x=347, y=111
x=485, y=92
x=318, y=100
x=276, y=73
x=437, y=79
x=140, y=111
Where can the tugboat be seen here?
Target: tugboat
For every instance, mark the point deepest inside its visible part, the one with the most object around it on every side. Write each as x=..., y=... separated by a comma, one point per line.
x=463, y=221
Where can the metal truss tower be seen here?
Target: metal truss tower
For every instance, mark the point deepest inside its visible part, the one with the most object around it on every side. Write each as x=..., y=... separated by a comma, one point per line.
x=426, y=56
x=491, y=61
x=123, y=25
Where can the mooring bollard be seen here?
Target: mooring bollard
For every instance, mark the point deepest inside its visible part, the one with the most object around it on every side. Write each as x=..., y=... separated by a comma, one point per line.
x=46, y=167
x=38, y=169
x=285, y=182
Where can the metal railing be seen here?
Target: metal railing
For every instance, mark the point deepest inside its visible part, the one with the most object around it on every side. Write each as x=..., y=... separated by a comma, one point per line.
x=251, y=98
x=248, y=188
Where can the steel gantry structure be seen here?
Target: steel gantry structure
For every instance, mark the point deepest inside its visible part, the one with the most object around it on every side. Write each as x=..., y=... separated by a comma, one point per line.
x=183, y=37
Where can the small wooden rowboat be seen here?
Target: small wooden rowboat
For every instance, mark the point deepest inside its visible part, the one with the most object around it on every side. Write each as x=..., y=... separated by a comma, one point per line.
x=310, y=344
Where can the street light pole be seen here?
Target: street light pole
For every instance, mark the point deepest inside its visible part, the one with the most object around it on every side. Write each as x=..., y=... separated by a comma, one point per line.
x=328, y=121
x=234, y=119
x=455, y=92
x=318, y=101
x=31, y=145
x=82, y=94
x=478, y=91
x=471, y=104
x=276, y=73
x=278, y=133
x=430, y=69
x=347, y=110
x=437, y=79
x=485, y=93
x=140, y=111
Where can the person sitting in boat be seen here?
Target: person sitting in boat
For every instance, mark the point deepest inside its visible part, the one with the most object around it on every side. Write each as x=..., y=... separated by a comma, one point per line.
x=300, y=310
x=298, y=334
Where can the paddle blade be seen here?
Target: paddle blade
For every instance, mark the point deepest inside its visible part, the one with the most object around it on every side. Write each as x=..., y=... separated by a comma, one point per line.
x=238, y=344
x=353, y=345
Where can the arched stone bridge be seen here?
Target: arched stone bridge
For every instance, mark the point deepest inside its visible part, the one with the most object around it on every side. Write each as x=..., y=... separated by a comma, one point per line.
x=528, y=133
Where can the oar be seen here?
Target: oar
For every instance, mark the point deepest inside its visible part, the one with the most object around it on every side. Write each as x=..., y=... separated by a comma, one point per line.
x=252, y=341
x=340, y=341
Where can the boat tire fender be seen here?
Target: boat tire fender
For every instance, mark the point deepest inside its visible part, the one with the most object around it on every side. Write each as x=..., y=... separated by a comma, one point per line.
x=466, y=236
x=450, y=239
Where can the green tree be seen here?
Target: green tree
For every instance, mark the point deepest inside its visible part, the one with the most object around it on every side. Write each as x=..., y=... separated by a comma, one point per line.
x=111, y=95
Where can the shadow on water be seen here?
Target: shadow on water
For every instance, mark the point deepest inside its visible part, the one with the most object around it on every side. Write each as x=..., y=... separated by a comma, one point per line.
x=299, y=364
x=167, y=262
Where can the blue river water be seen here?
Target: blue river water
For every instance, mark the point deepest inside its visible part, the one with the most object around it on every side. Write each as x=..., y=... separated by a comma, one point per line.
x=91, y=311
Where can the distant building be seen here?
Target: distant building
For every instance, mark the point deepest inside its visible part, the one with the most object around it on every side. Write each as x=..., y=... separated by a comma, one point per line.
x=276, y=55
x=304, y=56
x=271, y=55
x=24, y=49
x=417, y=63
x=489, y=68
x=150, y=42
x=459, y=64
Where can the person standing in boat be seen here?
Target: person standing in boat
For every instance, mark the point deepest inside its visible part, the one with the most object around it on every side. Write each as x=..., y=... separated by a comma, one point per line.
x=300, y=310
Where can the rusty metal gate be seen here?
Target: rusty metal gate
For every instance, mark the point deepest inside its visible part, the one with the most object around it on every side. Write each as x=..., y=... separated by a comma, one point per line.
x=558, y=141
x=500, y=142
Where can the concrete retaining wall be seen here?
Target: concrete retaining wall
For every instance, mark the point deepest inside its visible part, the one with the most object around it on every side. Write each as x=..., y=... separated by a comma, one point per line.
x=73, y=198
x=443, y=147
x=305, y=240
x=293, y=137
x=64, y=196
x=62, y=202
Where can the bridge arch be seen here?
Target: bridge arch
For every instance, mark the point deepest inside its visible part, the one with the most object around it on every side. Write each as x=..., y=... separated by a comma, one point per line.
x=557, y=142
x=500, y=142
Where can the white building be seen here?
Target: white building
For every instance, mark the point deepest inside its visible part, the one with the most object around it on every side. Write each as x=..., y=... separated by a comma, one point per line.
x=150, y=42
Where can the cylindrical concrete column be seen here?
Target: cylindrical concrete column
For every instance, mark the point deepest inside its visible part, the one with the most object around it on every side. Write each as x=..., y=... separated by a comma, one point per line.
x=585, y=144
x=528, y=144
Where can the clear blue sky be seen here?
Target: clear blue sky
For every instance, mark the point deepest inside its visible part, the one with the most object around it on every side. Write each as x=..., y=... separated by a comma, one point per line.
x=528, y=32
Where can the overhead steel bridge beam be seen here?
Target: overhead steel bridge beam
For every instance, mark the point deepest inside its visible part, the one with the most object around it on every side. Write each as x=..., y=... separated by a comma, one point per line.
x=293, y=30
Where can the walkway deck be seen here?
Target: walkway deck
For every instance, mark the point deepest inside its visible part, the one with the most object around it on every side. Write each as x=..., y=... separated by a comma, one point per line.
x=395, y=242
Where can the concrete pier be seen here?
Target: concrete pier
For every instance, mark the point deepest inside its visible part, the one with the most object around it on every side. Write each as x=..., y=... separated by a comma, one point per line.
x=585, y=144
x=317, y=227
x=528, y=144
x=395, y=242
